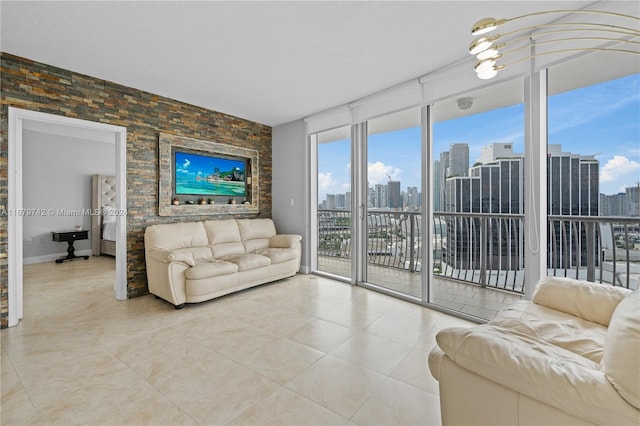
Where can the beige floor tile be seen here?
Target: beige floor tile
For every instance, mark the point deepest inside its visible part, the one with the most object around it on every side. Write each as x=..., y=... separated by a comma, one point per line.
x=213, y=391
x=397, y=403
x=310, y=306
x=285, y=407
x=17, y=408
x=322, y=335
x=372, y=352
x=375, y=302
x=19, y=345
x=403, y=326
x=239, y=342
x=414, y=369
x=282, y=359
x=352, y=316
x=304, y=350
x=47, y=374
x=278, y=321
x=125, y=399
x=338, y=385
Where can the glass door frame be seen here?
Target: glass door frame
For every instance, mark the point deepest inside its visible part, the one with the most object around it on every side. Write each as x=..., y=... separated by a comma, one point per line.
x=359, y=139
x=313, y=141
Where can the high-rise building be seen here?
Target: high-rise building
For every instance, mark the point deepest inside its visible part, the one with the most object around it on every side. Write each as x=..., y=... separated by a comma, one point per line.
x=395, y=196
x=614, y=205
x=347, y=198
x=340, y=201
x=382, y=198
x=572, y=183
x=458, y=160
x=439, y=178
x=413, y=199
x=437, y=187
x=633, y=201
x=496, y=185
x=331, y=202
x=622, y=204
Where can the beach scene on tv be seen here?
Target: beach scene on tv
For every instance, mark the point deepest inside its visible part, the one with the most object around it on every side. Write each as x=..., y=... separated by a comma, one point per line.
x=208, y=175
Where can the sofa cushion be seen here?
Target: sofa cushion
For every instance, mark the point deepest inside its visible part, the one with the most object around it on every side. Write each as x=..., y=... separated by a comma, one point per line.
x=196, y=253
x=172, y=236
x=574, y=334
x=222, y=231
x=256, y=233
x=224, y=237
x=210, y=269
x=621, y=359
x=278, y=255
x=589, y=301
x=249, y=261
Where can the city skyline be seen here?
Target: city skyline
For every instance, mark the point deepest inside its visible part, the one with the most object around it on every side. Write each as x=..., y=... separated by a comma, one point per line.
x=579, y=120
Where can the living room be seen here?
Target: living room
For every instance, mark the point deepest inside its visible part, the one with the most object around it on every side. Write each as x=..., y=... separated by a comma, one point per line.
x=284, y=128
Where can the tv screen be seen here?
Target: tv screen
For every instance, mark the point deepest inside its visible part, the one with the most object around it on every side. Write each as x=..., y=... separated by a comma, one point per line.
x=209, y=174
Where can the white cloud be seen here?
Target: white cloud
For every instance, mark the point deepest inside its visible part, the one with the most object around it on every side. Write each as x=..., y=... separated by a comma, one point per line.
x=186, y=163
x=616, y=167
x=378, y=173
x=325, y=181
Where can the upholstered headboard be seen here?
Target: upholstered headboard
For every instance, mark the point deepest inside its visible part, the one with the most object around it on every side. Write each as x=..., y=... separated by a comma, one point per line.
x=103, y=194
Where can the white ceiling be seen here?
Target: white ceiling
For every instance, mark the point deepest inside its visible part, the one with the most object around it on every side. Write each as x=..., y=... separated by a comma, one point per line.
x=270, y=62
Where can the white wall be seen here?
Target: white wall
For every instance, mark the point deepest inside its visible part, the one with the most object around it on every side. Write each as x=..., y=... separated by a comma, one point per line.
x=57, y=174
x=289, y=184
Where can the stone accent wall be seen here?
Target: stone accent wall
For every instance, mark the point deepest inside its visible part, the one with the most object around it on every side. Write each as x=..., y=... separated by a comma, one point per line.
x=39, y=87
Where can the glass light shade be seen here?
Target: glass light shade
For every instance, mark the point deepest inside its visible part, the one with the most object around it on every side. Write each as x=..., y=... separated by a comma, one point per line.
x=484, y=26
x=488, y=73
x=487, y=63
x=480, y=45
x=489, y=53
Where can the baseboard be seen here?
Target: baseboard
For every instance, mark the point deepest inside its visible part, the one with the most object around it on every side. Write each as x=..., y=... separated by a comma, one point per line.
x=52, y=257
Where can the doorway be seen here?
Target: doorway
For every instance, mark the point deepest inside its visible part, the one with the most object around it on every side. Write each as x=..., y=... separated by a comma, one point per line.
x=19, y=120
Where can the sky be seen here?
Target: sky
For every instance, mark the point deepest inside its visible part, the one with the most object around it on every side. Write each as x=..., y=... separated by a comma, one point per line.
x=601, y=120
x=204, y=165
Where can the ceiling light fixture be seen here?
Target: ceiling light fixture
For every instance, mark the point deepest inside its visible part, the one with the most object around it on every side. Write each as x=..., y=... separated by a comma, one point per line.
x=486, y=25
x=487, y=50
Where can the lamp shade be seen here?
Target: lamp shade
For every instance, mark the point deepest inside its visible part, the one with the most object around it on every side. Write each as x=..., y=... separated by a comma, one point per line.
x=481, y=44
x=484, y=26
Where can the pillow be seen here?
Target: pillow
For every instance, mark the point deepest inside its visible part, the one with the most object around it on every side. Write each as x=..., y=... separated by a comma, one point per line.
x=621, y=357
x=108, y=214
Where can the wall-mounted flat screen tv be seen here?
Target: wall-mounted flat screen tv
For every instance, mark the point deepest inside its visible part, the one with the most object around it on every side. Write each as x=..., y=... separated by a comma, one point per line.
x=209, y=174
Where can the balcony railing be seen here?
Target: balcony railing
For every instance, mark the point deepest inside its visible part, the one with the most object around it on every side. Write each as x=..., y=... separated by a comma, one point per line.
x=488, y=249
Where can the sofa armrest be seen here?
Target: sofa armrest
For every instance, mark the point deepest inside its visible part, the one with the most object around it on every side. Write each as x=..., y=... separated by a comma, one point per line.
x=589, y=301
x=168, y=256
x=538, y=370
x=284, y=240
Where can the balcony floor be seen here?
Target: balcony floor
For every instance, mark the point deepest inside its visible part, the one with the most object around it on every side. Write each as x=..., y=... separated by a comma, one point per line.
x=467, y=298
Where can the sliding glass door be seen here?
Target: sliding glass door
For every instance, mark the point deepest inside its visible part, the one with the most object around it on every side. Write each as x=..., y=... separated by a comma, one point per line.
x=334, y=239
x=478, y=200
x=394, y=238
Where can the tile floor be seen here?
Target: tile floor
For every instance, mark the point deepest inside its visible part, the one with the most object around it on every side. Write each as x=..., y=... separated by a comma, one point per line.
x=306, y=350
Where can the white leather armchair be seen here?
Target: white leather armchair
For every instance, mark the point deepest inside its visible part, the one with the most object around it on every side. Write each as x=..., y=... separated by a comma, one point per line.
x=571, y=356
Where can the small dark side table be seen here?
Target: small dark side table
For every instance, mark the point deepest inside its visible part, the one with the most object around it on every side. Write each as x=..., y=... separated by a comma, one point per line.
x=70, y=237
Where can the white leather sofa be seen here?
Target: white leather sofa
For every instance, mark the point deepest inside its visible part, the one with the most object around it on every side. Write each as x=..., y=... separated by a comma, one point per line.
x=196, y=261
x=571, y=356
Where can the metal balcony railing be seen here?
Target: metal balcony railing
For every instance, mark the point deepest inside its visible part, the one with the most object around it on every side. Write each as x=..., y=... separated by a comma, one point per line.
x=488, y=249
